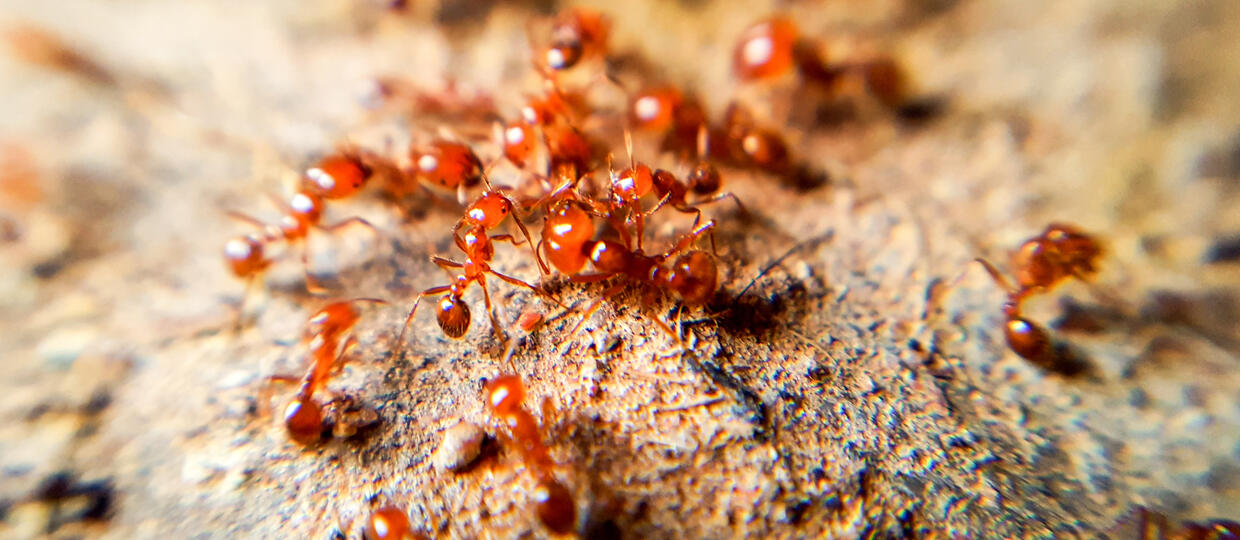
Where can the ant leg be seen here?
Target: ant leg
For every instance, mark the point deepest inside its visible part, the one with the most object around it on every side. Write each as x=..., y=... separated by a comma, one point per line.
x=641, y=223
x=542, y=265
x=611, y=291
x=486, y=299
x=312, y=283
x=721, y=196
x=509, y=238
x=264, y=393
x=688, y=238
x=445, y=263
x=247, y=219
x=662, y=201
x=239, y=322
x=400, y=340
x=521, y=283
x=995, y=275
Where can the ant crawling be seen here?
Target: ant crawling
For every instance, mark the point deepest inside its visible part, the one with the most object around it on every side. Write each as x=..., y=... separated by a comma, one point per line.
x=1062, y=251
x=304, y=418
x=334, y=177
x=553, y=501
x=704, y=180
x=487, y=212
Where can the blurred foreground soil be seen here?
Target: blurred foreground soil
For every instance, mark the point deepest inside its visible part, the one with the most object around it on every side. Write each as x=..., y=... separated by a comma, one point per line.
x=859, y=387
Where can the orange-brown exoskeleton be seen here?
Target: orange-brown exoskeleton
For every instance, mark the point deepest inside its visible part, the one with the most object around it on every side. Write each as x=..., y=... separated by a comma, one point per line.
x=1062, y=251
x=453, y=315
x=576, y=34
x=304, y=417
x=553, y=502
x=765, y=49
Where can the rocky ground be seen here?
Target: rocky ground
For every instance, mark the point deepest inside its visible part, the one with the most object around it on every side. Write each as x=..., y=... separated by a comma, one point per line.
x=850, y=379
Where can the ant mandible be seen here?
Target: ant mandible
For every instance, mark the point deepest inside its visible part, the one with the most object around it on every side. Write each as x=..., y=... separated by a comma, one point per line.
x=554, y=502
x=304, y=418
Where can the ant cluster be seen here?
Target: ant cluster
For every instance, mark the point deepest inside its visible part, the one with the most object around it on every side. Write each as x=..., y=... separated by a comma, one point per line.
x=1061, y=252
x=554, y=145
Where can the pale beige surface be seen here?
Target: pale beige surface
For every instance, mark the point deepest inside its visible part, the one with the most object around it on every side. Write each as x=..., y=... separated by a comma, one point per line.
x=812, y=404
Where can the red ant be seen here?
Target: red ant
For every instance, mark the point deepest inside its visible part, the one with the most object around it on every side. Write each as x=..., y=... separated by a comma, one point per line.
x=703, y=179
x=333, y=177
x=554, y=502
x=487, y=212
x=1062, y=251
x=1154, y=525
x=305, y=419
x=692, y=276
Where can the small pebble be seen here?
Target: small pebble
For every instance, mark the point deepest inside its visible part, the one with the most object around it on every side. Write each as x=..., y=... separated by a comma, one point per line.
x=460, y=447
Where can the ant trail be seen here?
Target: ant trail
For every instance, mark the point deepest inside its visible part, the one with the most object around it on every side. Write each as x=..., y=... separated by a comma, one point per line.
x=812, y=242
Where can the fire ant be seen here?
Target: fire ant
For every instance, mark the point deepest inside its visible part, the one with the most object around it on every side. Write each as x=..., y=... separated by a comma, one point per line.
x=390, y=523
x=554, y=502
x=305, y=419
x=1062, y=251
x=334, y=177
x=453, y=315
x=703, y=179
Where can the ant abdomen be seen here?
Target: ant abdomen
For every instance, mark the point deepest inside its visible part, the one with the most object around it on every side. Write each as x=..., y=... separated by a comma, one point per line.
x=337, y=176
x=566, y=232
x=704, y=179
x=304, y=421
x=1029, y=340
x=555, y=506
x=610, y=257
x=453, y=317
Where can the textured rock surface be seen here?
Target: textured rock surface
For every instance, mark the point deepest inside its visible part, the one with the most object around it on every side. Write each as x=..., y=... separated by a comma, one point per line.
x=858, y=386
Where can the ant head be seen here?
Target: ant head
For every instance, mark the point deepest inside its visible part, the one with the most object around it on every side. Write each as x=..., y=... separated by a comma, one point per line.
x=694, y=277
x=453, y=316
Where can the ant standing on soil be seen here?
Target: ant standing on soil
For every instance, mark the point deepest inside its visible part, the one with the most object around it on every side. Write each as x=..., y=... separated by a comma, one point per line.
x=554, y=502
x=334, y=177
x=1062, y=251
x=487, y=212
x=304, y=418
